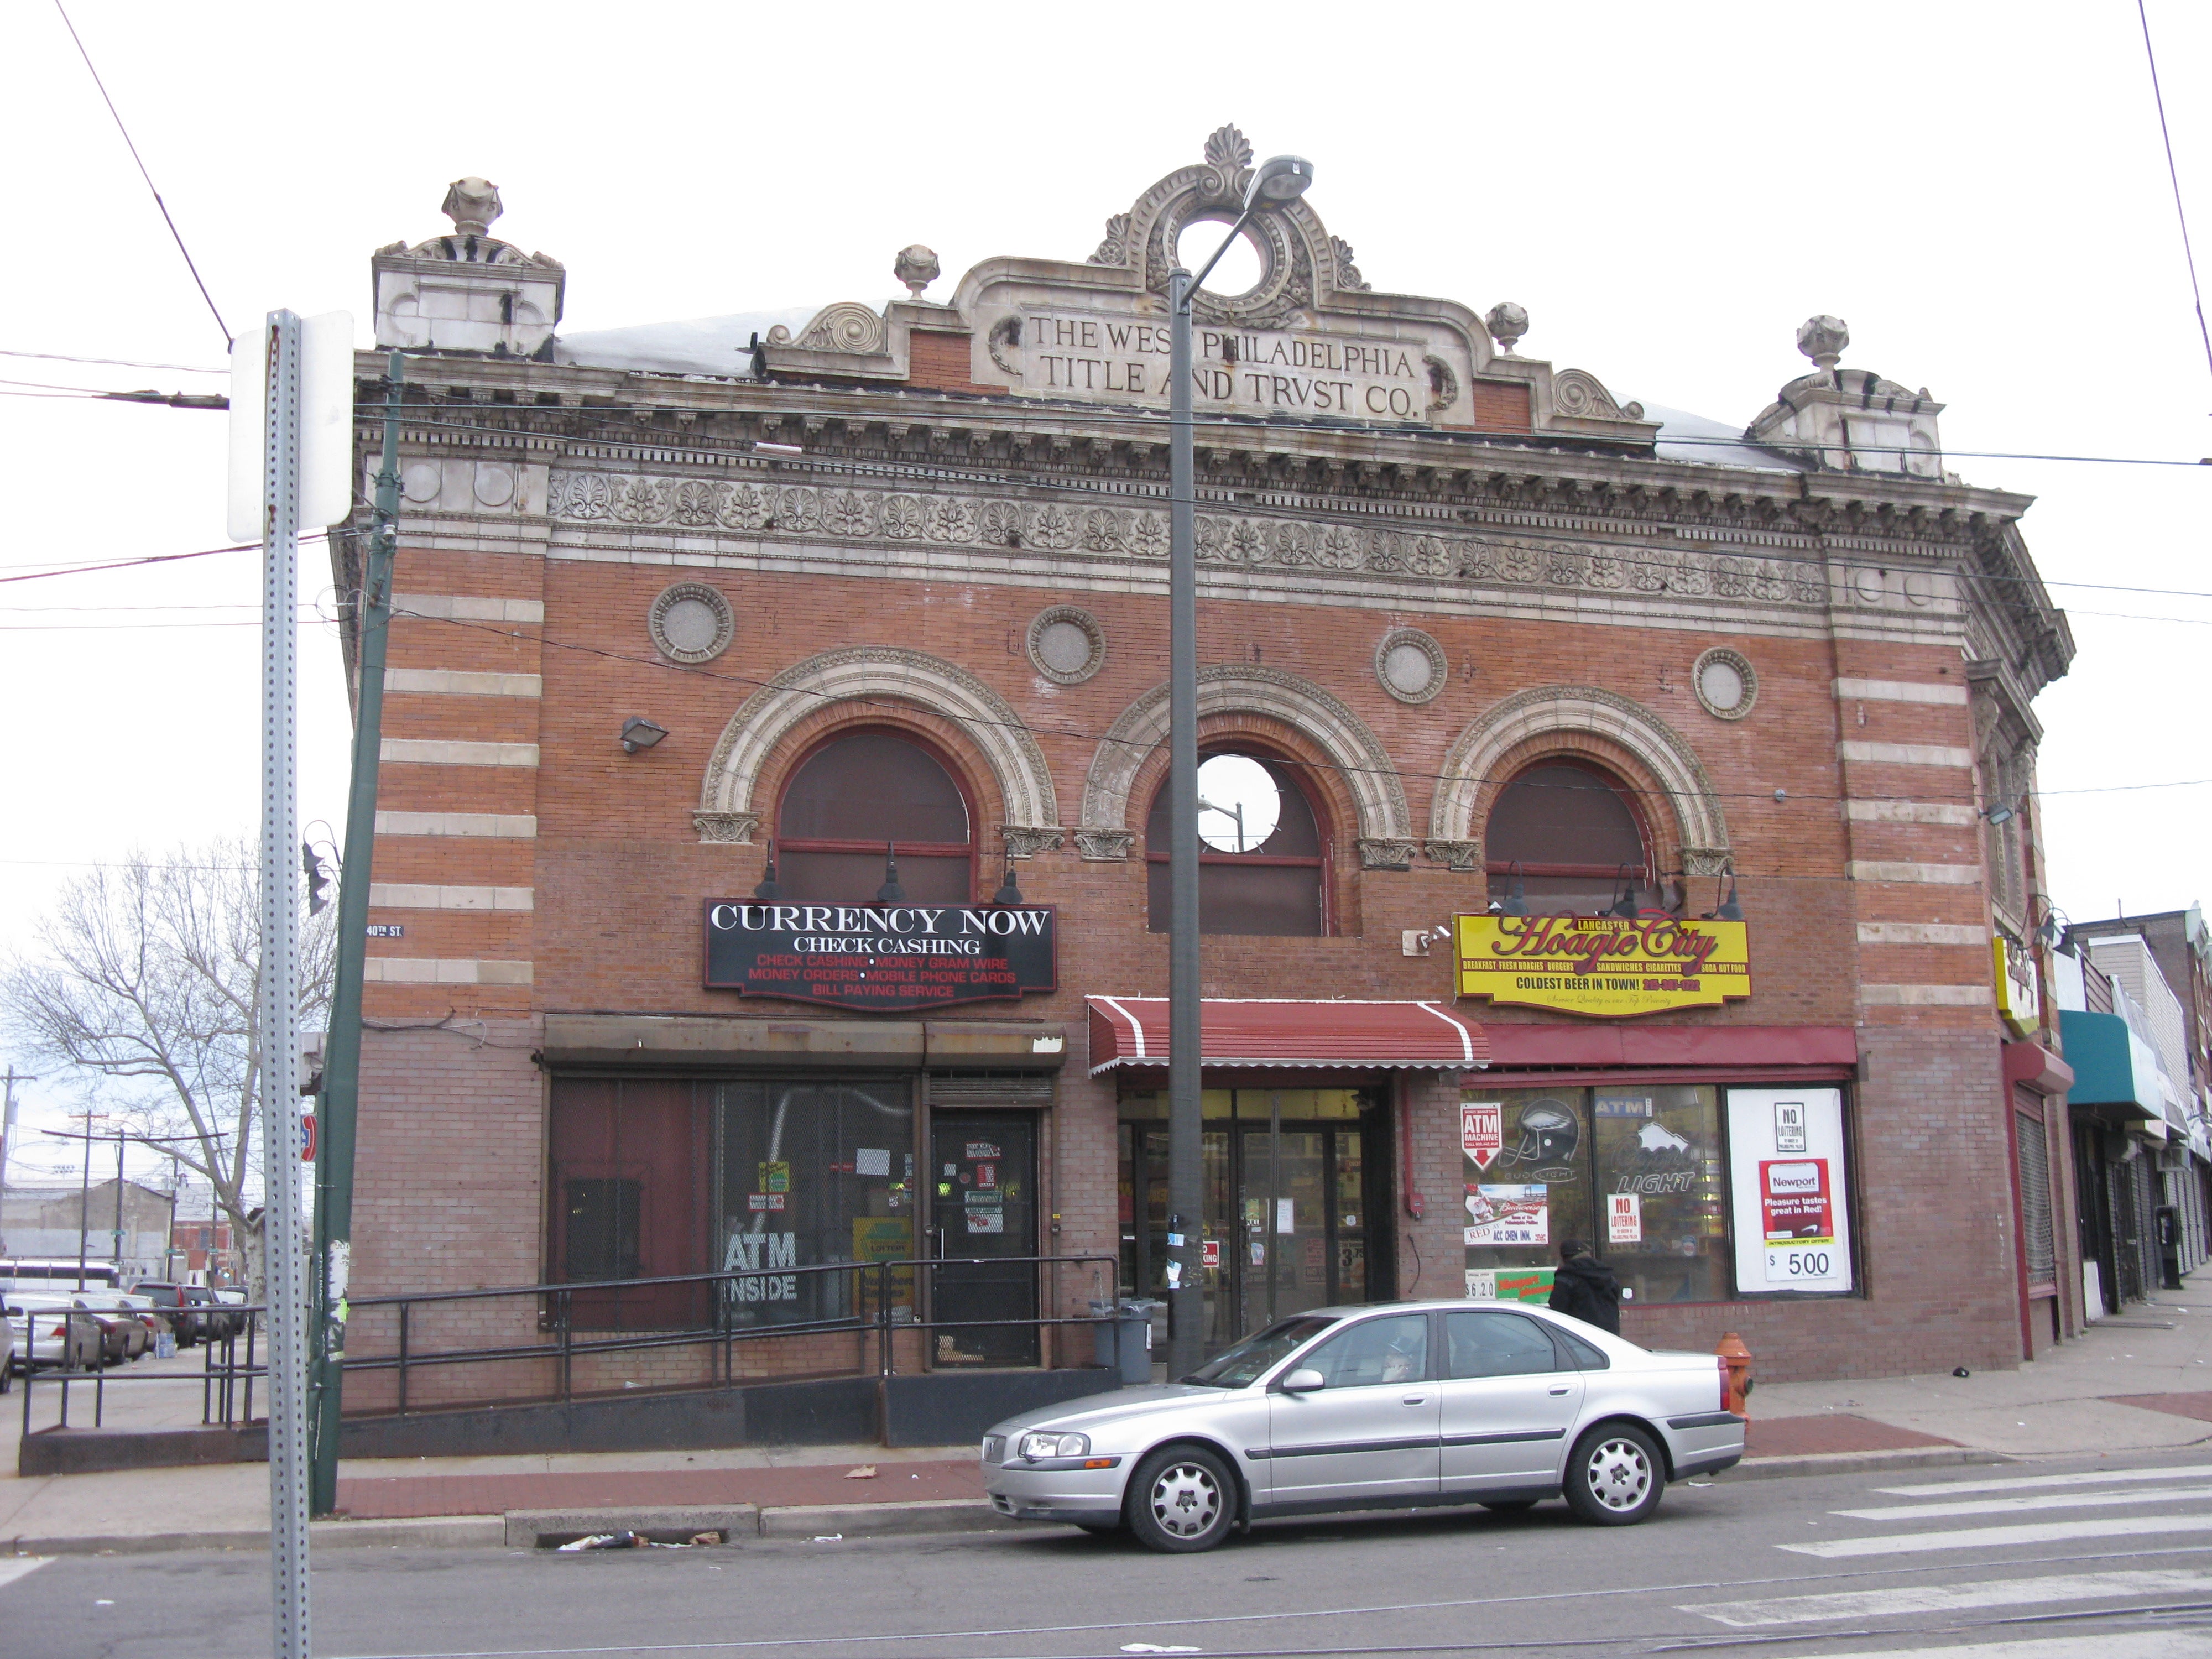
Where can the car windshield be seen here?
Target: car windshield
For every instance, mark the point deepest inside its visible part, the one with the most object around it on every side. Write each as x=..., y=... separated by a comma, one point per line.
x=1246, y=1363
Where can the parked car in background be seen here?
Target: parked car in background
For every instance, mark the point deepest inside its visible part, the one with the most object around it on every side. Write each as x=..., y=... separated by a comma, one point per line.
x=1390, y=1406
x=219, y=1311
x=121, y=1336
x=177, y=1301
x=134, y=1314
x=47, y=1330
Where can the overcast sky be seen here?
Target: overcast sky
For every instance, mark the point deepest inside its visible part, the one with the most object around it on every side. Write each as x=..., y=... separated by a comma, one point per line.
x=1979, y=190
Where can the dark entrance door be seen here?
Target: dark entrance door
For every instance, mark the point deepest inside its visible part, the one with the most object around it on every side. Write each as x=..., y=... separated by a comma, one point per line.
x=983, y=1219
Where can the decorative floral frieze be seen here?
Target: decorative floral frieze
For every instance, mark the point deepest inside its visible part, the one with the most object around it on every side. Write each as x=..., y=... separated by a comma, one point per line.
x=1026, y=840
x=1104, y=846
x=736, y=827
x=1454, y=854
x=1386, y=853
x=851, y=515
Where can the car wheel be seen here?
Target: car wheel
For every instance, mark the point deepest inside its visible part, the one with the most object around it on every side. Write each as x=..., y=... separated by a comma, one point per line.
x=1511, y=1506
x=1182, y=1499
x=1615, y=1476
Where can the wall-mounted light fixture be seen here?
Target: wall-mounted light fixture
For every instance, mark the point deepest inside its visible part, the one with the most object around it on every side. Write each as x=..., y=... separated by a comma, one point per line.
x=2000, y=813
x=1516, y=902
x=890, y=892
x=1630, y=900
x=638, y=734
x=1729, y=909
x=1008, y=893
x=769, y=888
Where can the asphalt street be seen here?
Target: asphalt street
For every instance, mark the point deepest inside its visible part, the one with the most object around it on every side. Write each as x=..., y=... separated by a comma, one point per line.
x=2105, y=1558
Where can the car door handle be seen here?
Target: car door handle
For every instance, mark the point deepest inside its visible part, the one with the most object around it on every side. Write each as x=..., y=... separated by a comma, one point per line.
x=1568, y=1389
x=1414, y=1400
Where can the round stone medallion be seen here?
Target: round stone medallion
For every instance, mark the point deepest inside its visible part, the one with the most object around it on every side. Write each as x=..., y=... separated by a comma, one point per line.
x=1067, y=645
x=1410, y=664
x=691, y=622
x=1725, y=682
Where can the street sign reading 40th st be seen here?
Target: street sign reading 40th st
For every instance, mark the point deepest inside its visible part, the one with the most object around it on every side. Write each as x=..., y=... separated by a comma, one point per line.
x=884, y=959
x=1608, y=966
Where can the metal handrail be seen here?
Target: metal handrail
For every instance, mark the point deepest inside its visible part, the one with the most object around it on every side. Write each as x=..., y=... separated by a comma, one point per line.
x=219, y=1392
x=886, y=1325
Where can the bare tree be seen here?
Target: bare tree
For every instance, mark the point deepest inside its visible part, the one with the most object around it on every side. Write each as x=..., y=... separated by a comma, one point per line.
x=141, y=982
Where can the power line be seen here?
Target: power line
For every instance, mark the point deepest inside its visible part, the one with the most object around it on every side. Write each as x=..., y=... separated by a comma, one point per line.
x=111, y=363
x=2173, y=177
x=228, y=339
x=157, y=558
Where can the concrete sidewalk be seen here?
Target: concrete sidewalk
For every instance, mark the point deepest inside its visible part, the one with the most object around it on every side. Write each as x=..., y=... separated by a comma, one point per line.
x=2139, y=1381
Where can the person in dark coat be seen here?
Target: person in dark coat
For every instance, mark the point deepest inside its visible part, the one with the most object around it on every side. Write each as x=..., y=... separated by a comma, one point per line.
x=1584, y=1288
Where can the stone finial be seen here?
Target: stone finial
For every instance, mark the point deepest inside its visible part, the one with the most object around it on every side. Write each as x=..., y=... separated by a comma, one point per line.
x=1823, y=340
x=1507, y=323
x=917, y=267
x=472, y=203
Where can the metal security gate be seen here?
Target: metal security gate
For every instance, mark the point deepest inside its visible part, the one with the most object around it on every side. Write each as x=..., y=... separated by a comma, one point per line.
x=2035, y=1217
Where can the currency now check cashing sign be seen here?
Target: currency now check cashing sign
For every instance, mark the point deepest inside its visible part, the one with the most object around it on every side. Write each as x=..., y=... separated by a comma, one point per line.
x=881, y=958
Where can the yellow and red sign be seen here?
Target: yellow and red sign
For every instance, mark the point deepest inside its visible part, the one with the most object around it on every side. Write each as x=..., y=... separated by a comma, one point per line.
x=1611, y=967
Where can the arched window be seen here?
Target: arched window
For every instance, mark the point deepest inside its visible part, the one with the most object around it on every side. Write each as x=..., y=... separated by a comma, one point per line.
x=1570, y=827
x=858, y=793
x=1262, y=865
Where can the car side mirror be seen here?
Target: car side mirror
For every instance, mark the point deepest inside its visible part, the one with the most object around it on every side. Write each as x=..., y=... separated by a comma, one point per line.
x=1305, y=1380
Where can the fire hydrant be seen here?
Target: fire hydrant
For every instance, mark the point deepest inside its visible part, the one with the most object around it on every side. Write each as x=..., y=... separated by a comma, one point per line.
x=1735, y=1375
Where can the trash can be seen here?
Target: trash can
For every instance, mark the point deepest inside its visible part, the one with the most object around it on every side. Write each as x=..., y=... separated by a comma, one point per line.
x=1125, y=1341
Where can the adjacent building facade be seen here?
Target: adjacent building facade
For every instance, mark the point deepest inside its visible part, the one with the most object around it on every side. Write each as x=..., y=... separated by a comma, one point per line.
x=1626, y=824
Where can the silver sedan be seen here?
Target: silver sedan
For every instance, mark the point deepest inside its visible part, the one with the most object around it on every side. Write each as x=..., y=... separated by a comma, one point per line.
x=1405, y=1404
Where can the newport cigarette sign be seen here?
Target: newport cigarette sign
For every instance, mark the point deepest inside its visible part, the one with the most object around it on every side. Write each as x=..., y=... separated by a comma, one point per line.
x=884, y=959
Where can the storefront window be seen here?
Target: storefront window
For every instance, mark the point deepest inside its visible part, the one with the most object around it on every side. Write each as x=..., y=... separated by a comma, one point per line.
x=859, y=794
x=763, y=1179
x=1636, y=1174
x=1569, y=828
x=1261, y=871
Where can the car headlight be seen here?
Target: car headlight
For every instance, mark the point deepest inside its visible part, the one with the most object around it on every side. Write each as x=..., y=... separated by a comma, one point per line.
x=1055, y=1445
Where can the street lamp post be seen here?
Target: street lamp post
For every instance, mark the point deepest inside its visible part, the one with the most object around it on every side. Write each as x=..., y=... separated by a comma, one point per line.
x=1280, y=178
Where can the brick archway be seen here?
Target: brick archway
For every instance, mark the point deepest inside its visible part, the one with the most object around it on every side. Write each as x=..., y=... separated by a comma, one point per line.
x=1365, y=774
x=881, y=682
x=1687, y=818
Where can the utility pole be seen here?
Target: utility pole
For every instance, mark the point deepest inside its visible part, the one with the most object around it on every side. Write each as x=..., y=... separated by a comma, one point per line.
x=7, y=1145
x=339, y=1111
x=291, y=401
x=84, y=1190
x=120, y=1141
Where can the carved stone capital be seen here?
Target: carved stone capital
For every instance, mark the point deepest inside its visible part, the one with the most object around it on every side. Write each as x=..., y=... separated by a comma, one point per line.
x=1454, y=854
x=1706, y=860
x=1026, y=840
x=736, y=827
x=1386, y=853
x=1104, y=846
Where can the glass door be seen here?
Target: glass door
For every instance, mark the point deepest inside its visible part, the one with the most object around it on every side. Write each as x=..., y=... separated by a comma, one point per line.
x=983, y=1218
x=1290, y=1201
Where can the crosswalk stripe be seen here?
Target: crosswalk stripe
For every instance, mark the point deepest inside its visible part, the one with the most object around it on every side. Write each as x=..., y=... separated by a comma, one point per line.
x=16, y=1567
x=1978, y=1538
x=2074, y=1500
x=2016, y=1482
x=2129, y=1644
x=1950, y=1598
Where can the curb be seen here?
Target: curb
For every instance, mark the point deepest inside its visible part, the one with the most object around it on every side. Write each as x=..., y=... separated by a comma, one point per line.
x=883, y=1519
x=1869, y=1462
x=529, y=1529
x=428, y=1532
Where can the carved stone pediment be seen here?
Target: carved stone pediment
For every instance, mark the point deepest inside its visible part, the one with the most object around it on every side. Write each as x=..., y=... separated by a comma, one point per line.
x=1310, y=337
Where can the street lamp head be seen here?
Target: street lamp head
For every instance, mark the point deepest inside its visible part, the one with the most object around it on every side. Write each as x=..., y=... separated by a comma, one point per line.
x=1277, y=179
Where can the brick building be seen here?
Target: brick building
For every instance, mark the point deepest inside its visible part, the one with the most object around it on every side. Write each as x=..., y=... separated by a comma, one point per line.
x=692, y=620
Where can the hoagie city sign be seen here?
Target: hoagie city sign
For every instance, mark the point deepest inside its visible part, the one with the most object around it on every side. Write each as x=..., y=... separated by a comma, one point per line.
x=1608, y=966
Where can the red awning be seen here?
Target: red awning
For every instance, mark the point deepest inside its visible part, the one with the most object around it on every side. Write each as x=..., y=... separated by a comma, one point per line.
x=1418, y=1036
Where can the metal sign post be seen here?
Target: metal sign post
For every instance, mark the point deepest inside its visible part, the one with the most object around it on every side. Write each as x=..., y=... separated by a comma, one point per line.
x=291, y=406
x=283, y=1250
